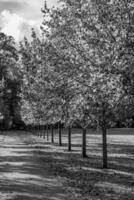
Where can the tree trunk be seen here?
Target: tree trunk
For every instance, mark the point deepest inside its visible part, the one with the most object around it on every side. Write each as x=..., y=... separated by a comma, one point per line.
x=69, y=138
x=52, y=134
x=38, y=130
x=44, y=131
x=104, y=138
x=47, y=133
x=32, y=128
x=84, y=155
x=60, y=140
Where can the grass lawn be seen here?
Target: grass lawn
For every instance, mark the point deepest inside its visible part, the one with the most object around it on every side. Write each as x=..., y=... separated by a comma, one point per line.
x=85, y=177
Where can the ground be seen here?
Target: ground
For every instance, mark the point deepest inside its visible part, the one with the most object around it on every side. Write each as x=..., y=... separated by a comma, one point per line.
x=33, y=168
x=22, y=175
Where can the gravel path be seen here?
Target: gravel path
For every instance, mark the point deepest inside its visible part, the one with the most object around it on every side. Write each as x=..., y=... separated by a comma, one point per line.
x=22, y=176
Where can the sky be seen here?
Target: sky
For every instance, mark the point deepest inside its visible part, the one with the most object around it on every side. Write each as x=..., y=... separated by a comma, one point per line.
x=17, y=17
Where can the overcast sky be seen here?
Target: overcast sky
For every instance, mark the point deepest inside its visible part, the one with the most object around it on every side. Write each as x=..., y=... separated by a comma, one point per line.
x=18, y=16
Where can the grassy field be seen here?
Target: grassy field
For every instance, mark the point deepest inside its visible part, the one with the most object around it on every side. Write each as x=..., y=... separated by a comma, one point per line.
x=85, y=177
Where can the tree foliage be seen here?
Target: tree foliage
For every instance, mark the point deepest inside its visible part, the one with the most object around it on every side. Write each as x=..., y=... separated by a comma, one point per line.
x=11, y=81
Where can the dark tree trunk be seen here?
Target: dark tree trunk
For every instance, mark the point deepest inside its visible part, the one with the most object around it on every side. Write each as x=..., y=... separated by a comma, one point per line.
x=69, y=138
x=104, y=140
x=47, y=132
x=52, y=134
x=36, y=128
x=84, y=154
x=44, y=132
x=60, y=139
x=33, y=130
x=38, y=131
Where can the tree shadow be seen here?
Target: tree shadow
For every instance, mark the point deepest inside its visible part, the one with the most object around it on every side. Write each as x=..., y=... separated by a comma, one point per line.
x=86, y=175
x=24, y=177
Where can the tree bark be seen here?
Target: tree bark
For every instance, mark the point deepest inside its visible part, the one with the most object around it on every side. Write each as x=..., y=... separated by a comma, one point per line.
x=104, y=140
x=84, y=154
x=47, y=132
x=38, y=129
x=52, y=134
x=69, y=138
x=60, y=139
x=44, y=132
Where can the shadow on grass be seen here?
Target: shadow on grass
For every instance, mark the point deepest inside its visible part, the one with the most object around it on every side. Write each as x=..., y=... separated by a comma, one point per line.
x=23, y=177
x=121, y=149
x=88, y=178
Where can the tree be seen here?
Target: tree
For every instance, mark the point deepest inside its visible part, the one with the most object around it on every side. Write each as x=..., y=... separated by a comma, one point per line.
x=87, y=54
x=11, y=81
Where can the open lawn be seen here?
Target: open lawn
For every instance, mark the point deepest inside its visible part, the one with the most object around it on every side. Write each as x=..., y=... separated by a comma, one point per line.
x=85, y=177
x=32, y=168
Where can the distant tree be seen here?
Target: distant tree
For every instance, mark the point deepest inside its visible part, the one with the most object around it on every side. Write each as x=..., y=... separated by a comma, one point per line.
x=11, y=81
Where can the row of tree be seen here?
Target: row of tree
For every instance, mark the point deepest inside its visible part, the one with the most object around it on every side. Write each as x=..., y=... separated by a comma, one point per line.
x=81, y=69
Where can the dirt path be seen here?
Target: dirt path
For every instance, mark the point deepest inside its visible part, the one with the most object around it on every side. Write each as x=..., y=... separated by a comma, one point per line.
x=22, y=176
